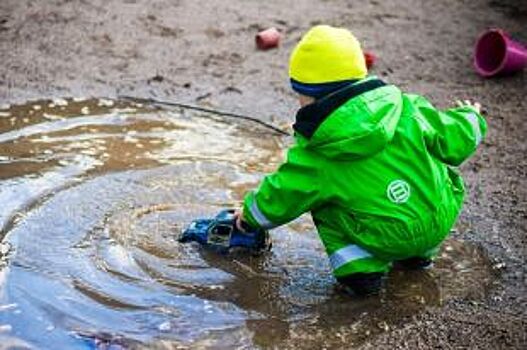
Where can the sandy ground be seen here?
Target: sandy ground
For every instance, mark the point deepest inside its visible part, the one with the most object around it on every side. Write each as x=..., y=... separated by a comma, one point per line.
x=204, y=53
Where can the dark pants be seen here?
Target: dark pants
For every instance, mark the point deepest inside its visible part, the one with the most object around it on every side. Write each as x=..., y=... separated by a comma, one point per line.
x=364, y=284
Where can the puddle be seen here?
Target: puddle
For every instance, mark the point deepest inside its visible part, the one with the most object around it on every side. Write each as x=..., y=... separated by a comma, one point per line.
x=93, y=193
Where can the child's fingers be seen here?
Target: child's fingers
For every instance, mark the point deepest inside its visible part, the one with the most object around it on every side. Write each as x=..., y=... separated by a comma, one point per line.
x=476, y=105
x=239, y=225
x=238, y=219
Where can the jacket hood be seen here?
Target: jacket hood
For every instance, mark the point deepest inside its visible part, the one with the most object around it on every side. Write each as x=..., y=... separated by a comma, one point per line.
x=354, y=122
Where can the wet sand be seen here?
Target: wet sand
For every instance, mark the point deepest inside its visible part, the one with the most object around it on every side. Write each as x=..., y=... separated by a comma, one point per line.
x=184, y=51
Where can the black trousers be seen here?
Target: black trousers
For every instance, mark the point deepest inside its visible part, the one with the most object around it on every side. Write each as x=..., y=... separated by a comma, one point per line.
x=364, y=284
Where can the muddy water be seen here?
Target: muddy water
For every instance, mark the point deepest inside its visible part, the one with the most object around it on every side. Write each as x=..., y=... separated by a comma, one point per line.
x=93, y=194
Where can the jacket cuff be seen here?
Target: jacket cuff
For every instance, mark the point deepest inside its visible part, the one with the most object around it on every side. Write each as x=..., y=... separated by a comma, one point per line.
x=253, y=215
x=477, y=122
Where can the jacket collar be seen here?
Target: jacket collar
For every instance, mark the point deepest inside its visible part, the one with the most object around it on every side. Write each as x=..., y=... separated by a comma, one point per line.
x=310, y=117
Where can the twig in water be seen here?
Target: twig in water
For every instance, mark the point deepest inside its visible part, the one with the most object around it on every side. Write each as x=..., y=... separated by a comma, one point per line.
x=203, y=109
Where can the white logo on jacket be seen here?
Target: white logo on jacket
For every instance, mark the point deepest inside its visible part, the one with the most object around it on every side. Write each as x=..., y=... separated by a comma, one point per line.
x=398, y=191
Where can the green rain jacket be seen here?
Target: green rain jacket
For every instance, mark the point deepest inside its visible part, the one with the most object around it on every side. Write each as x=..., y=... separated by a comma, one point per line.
x=373, y=165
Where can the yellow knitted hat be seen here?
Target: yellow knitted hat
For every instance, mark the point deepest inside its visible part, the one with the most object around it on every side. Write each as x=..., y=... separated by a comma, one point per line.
x=327, y=54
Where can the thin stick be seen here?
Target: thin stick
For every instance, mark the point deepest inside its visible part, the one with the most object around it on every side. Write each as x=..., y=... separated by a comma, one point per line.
x=204, y=109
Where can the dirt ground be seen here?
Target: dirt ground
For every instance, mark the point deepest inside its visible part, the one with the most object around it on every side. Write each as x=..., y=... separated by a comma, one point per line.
x=204, y=53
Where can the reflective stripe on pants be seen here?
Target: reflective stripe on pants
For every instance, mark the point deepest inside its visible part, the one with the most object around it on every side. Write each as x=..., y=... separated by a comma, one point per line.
x=347, y=254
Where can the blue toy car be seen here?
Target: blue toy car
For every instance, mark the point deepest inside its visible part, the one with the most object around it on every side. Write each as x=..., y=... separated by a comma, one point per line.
x=221, y=234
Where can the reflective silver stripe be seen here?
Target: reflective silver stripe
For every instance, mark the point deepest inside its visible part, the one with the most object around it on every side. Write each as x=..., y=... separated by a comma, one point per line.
x=259, y=216
x=474, y=121
x=347, y=254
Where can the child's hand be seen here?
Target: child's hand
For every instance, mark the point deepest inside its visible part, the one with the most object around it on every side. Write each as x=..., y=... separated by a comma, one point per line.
x=474, y=104
x=238, y=217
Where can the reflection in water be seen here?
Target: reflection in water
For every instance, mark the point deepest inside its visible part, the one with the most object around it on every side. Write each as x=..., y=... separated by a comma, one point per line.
x=93, y=195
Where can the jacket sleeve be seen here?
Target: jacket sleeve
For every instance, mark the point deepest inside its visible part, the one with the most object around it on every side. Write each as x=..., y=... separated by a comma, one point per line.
x=287, y=193
x=451, y=135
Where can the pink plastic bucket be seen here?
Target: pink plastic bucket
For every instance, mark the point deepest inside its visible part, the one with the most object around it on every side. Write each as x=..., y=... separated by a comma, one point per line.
x=497, y=54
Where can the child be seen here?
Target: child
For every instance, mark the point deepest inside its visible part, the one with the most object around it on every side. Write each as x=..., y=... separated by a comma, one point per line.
x=372, y=164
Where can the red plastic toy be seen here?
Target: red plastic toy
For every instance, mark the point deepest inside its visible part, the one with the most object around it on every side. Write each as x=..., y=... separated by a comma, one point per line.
x=370, y=59
x=267, y=39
